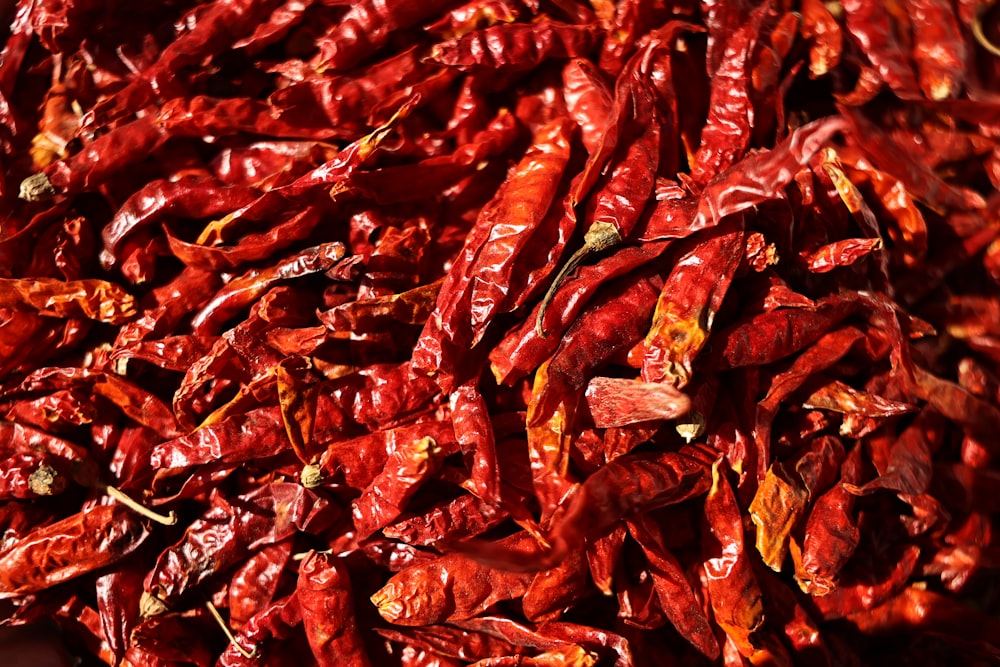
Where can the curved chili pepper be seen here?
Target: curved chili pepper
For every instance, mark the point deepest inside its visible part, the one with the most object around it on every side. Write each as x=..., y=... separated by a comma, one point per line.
x=76, y=545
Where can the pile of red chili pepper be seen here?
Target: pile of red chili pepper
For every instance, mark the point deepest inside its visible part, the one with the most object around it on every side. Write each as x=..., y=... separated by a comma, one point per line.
x=501, y=332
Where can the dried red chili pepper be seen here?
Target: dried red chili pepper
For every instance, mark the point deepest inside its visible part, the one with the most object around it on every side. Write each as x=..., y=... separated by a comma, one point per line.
x=688, y=302
x=244, y=290
x=614, y=323
x=226, y=533
x=615, y=208
x=726, y=134
x=327, y=607
x=452, y=587
x=454, y=521
x=76, y=545
x=673, y=589
x=329, y=218
x=406, y=468
x=255, y=584
x=263, y=632
x=732, y=587
x=190, y=197
x=831, y=533
x=515, y=46
x=524, y=348
x=105, y=157
x=479, y=288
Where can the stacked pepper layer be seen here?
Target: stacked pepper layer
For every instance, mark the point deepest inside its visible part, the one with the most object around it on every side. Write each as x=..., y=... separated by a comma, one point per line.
x=512, y=332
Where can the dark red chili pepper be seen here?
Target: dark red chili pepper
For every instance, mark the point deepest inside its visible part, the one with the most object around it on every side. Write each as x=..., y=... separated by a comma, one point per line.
x=688, y=302
x=831, y=533
x=673, y=589
x=254, y=586
x=262, y=634
x=523, y=349
x=227, y=532
x=244, y=290
x=612, y=324
x=733, y=30
x=515, y=46
x=631, y=142
x=454, y=521
x=189, y=197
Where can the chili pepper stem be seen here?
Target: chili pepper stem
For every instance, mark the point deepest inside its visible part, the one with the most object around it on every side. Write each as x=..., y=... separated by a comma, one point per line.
x=249, y=655
x=600, y=236
x=977, y=31
x=36, y=187
x=46, y=481
x=150, y=605
x=312, y=476
x=301, y=556
x=168, y=520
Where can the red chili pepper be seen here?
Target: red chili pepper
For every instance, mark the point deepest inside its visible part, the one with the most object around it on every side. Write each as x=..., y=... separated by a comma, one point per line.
x=452, y=587
x=324, y=593
x=226, y=533
x=674, y=591
x=451, y=522
x=254, y=586
x=831, y=533
x=524, y=348
x=76, y=545
x=273, y=249
x=263, y=633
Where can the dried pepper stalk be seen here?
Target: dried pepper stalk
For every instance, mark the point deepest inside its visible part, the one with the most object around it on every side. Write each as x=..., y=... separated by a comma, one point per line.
x=500, y=332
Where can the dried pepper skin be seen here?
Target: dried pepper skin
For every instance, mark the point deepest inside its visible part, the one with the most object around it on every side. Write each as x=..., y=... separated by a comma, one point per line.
x=76, y=545
x=614, y=402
